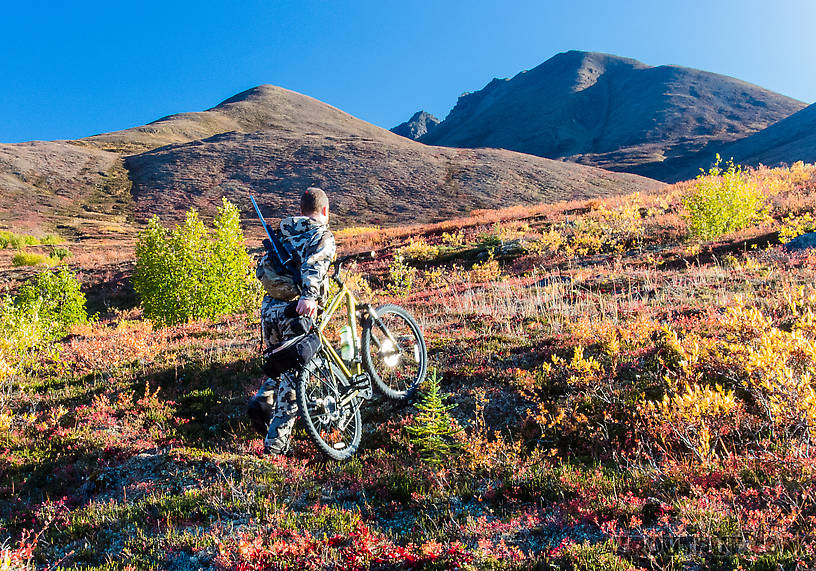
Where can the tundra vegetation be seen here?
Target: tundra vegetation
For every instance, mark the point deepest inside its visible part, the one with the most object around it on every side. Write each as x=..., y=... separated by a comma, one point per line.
x=614, y=390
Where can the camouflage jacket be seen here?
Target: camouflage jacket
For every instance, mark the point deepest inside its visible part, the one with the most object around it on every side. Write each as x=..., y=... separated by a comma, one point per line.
x=312, y=245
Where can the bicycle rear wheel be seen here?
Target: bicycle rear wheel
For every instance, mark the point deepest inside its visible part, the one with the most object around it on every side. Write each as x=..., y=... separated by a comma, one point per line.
x=394, y=352
x=334, y=427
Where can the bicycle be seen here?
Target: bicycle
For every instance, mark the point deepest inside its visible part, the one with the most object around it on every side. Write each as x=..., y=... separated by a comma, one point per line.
x=391, y=355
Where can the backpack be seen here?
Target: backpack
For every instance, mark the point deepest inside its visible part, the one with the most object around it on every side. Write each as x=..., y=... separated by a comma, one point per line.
x=277, y=270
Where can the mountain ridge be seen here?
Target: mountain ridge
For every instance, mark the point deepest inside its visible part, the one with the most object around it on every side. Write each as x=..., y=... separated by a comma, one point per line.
x=274, y=142
x=609, y=111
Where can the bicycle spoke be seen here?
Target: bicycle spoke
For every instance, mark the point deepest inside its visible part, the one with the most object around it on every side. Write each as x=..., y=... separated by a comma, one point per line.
x=394, y=352
x=333, y=424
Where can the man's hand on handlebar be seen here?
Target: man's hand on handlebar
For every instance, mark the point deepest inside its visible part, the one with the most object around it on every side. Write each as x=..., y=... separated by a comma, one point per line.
x=307, y=307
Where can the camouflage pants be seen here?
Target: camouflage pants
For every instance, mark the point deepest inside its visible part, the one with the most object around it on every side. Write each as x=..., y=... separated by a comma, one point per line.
x=276, y=397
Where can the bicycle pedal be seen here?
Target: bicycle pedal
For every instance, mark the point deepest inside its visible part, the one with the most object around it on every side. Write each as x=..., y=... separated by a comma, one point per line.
x=362, y=383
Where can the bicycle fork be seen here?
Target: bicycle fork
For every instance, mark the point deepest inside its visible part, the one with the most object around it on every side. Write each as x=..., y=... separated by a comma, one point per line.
x=372, y=315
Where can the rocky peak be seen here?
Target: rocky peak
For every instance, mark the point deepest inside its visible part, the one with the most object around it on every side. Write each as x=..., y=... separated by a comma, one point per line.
x=418, y=125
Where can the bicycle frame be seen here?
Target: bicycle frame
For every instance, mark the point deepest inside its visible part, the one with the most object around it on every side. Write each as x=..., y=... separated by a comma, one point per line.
x=344, y=295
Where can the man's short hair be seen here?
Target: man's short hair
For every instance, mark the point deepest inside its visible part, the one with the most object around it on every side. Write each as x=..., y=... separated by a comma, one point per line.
x=313, y=200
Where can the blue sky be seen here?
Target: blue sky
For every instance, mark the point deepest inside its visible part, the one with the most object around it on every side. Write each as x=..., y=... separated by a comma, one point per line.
x=71, y=69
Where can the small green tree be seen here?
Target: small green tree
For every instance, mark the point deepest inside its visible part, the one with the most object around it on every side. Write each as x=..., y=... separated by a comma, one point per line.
x=723, y=201
x=433, y=427
x=401, y=275
x=56, y=298
x=192, y=273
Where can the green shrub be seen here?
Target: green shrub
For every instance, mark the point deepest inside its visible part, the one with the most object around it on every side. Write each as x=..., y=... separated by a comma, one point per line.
x=29, y=259
x=56, y=298
x=52, y=240
x=190, y=272
x=723, y=201
x=400, y=276
x=433, y=427
x=17, y=241
x=59, y=254
x=22, y=334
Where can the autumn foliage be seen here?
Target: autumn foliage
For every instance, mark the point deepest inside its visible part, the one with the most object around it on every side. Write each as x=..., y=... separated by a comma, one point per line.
x=614, y=394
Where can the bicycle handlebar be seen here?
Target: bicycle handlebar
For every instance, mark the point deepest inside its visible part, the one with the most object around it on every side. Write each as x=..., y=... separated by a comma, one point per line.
x=339, y=263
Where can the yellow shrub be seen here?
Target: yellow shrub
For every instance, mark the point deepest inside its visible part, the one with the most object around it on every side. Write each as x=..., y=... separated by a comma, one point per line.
x=419, y=250
x=806, y=322
x=583, y=370
x=609, y=229
x=774, y=366
x=6, y=419
x=355, y=231
x=796, y=225
x=697, y=416
x=799, y=300
x=742, y=323
x=779, y=180
x=435, y=278
x=779, y=369
x=512, y=231
x=549, y=243
x=486, y=271
x=454, y=239
x=30, y=259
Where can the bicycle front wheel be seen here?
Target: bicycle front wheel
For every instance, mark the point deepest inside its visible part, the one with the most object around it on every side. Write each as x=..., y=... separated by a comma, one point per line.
x=334, y=425
x=394, y=352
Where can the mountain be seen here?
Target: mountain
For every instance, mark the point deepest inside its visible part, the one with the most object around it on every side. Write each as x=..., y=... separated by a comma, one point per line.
x=792, y=139
x=273, y=143
x=262, y=108
x=611, y=112
x=420, y=123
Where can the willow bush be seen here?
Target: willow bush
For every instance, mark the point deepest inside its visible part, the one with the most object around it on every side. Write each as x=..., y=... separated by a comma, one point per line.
x=191, y=272
x=723, y=201
x=56, y=297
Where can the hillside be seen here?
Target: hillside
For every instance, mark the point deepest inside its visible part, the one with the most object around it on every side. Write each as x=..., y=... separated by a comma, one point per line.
x=611, y=112
x=272, y=142
x=63, y=186
x=792, y=139
x=382, y=180
x=262, y=108
x=625, y=399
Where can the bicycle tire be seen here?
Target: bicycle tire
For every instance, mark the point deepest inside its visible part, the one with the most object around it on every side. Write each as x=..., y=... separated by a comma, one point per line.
x=317, y=394
x=385, y=366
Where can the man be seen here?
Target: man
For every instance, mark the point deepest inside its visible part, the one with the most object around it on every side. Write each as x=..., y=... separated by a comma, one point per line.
x=273, y=409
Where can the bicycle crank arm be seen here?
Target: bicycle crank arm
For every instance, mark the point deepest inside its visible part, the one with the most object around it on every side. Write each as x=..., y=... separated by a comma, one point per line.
x=345, y=400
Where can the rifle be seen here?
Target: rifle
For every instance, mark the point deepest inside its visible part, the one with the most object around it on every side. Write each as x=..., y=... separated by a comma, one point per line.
x=274, y=246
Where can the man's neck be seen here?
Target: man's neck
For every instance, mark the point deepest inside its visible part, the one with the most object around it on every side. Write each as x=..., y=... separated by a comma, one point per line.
x=319, y=218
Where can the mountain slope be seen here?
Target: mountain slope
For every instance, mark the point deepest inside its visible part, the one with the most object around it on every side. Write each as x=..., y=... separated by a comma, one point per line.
x=274, y=143
x=609, y=111
x=265, y=107
x=369, y=181
x=50, y=183
x=792, y=139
